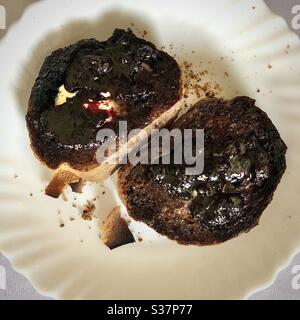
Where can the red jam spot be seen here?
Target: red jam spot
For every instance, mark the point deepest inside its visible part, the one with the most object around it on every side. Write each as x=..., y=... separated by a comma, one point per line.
x=97, y=106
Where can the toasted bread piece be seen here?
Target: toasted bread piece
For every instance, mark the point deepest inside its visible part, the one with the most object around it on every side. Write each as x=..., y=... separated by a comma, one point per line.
x=60, y=181
x=115, y=231
x=93, y=85
x=243, y=164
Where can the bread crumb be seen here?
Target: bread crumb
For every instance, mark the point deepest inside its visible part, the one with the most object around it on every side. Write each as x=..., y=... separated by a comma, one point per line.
x=287, y=49
x=72, y=219
x=88, y=211
x=31, y=194
x=258, y=90
x=15, y=176
x=210, y=94
x=270, y=66
x=62, y=225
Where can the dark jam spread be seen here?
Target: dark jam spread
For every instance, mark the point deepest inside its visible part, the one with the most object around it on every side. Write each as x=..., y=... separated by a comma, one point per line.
x=71, y=123
x=244, y=159
x=122, y=78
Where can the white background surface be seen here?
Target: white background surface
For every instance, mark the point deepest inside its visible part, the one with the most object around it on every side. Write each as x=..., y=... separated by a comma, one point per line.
x=17, y=287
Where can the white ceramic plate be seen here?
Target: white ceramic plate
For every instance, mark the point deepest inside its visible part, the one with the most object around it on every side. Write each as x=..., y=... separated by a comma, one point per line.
x=262, y=58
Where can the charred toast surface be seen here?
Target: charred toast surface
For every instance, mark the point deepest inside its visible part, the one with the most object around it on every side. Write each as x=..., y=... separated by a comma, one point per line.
x=243, y=163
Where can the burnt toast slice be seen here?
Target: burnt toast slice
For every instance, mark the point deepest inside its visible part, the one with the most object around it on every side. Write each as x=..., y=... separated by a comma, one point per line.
x=244, y=160
x=93, y=85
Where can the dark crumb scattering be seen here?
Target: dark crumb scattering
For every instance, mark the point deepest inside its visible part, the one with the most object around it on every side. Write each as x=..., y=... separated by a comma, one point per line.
x=15, y=176
x=258, y=90
x=72, y=219
x=270, y=66
x=31, y=194
x=194, y=83
x=88, y=211
x=103, y=192
x=74, y=205
x=140, y=239
x=62, y=225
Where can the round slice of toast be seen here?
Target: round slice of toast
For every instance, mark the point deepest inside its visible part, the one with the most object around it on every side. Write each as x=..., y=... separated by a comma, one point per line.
x=93, y=85
x=244, y=160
